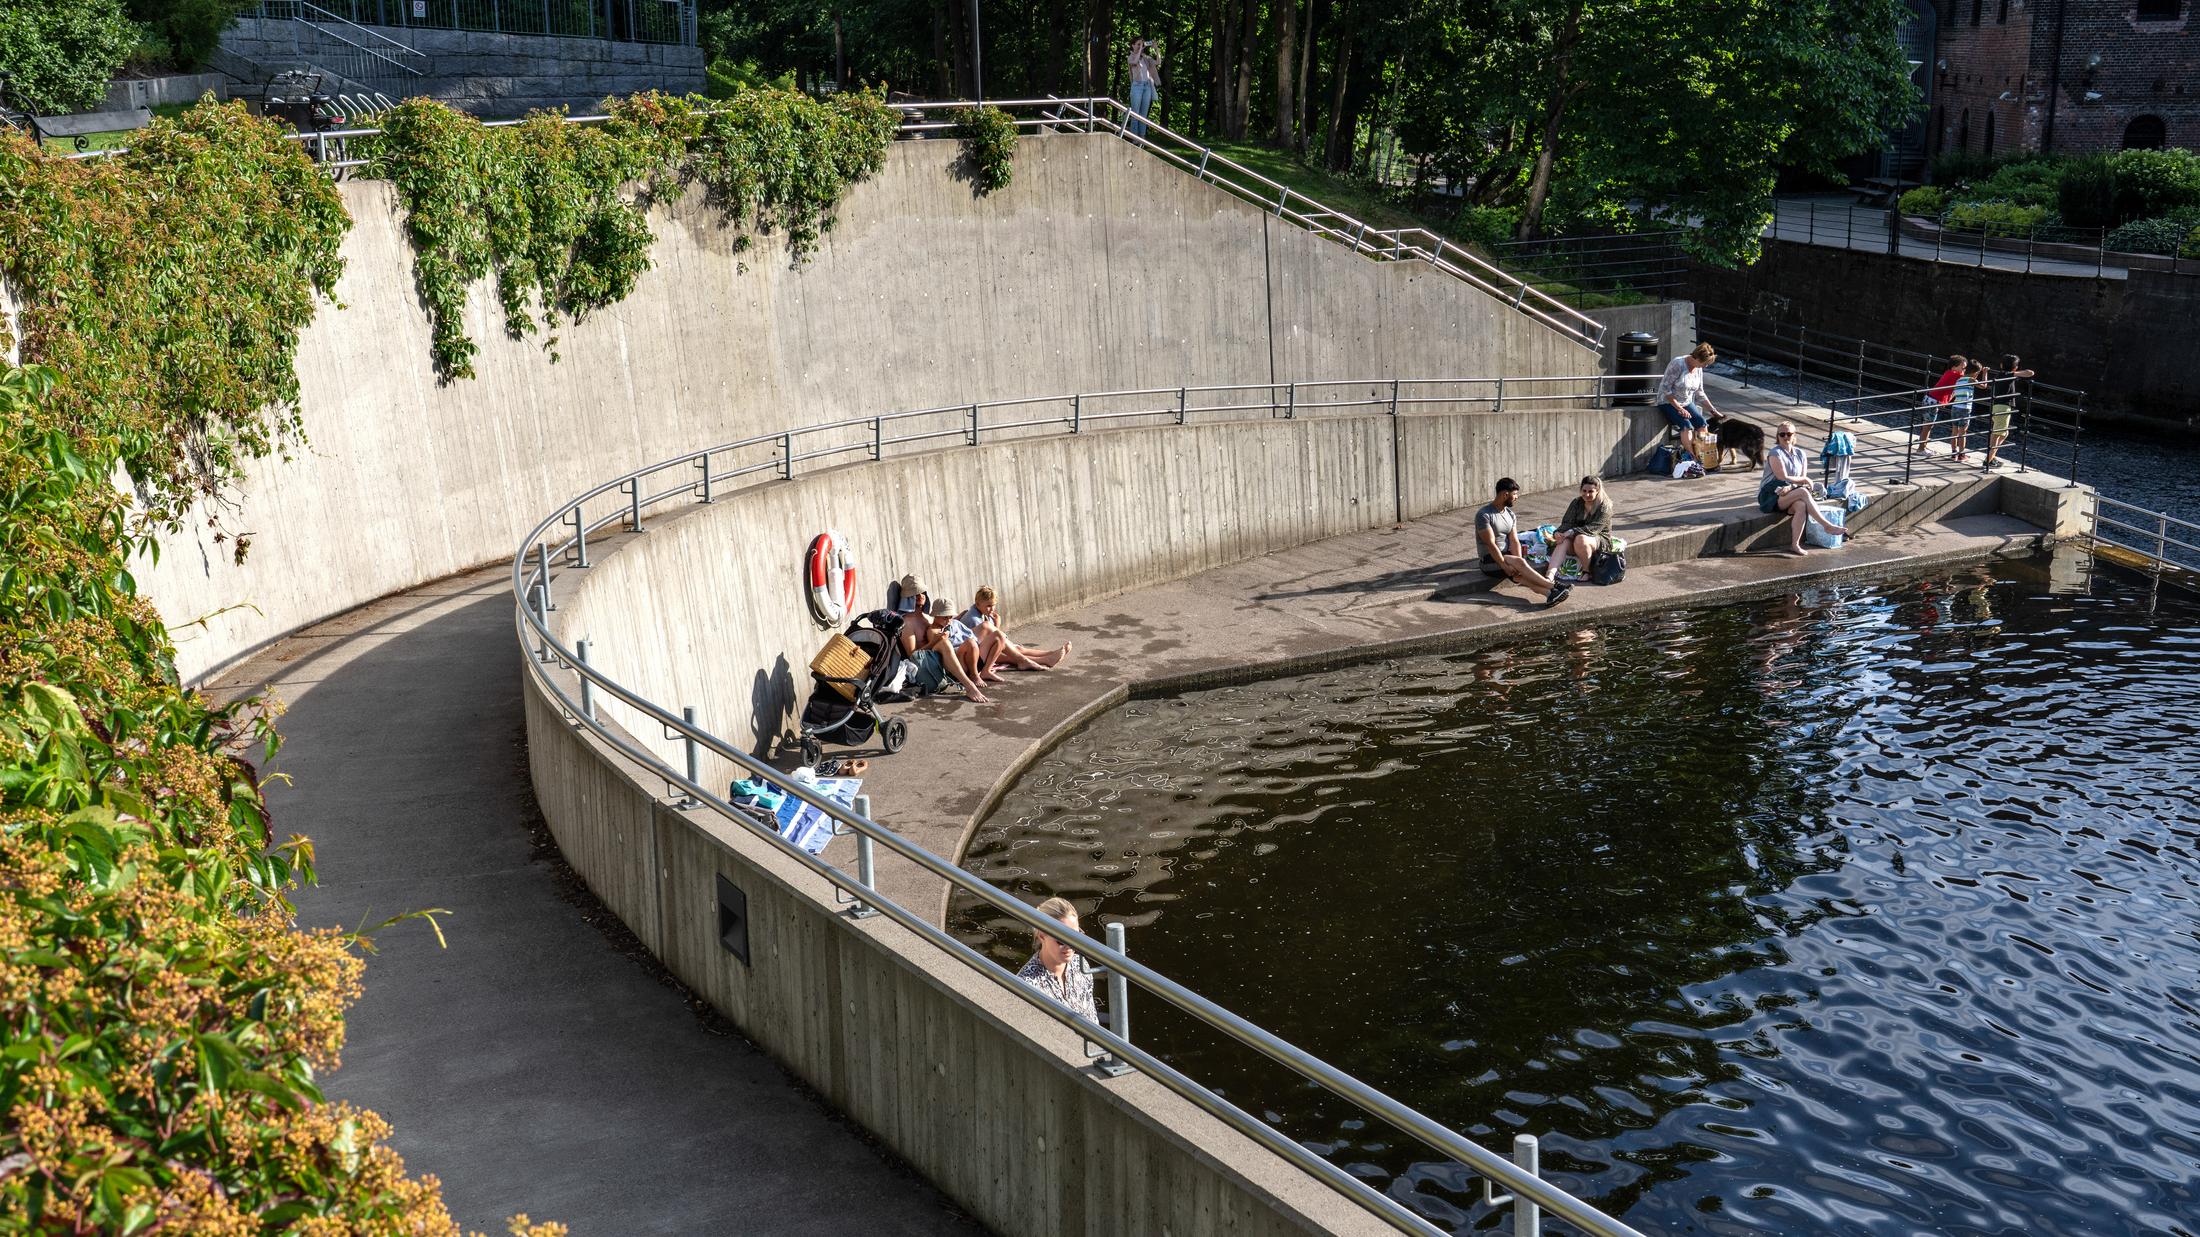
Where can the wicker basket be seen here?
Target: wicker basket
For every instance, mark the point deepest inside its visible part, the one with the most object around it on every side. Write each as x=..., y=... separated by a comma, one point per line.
x=841, y=658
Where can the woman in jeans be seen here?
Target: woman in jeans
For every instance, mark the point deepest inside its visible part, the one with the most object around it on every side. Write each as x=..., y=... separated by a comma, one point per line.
x=1584, y=529
x=1786, y=490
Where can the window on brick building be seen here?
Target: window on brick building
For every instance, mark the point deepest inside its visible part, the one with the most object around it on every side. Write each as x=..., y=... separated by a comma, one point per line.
x=2158, y=10
x=1977, y=7
x=1988, y=150
x=2002, y=17
x=2145, y=133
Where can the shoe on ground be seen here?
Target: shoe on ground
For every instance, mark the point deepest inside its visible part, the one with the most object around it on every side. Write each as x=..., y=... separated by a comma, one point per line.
x=1557, y=594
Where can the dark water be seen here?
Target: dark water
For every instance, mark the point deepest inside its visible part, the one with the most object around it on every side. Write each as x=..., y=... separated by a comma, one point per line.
x=1868, y=909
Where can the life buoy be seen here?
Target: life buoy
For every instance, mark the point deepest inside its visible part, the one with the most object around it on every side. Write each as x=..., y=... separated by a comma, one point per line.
x=829, y=569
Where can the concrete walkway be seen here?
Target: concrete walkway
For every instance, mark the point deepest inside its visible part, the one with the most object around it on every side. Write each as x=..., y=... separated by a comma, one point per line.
x=537, y=1064
x=1837, y=222
x=1384, y=593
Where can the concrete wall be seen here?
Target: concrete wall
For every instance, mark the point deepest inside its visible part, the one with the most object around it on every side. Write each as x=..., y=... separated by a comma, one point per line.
x=985, y=1097
x=1098, y=268
x=500, y=75
x=1673, y=322
x=707, y=610
x=2126, y=343
x=125, y=94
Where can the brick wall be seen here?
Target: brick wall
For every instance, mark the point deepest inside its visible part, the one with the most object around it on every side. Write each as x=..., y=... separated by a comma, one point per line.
x=2112, y=67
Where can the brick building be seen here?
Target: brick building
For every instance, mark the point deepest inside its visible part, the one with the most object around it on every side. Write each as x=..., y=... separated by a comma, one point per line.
x=2063, y=76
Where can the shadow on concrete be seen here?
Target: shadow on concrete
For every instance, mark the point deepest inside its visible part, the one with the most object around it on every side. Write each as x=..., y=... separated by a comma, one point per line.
x=1437, y=579
x=540, y=1063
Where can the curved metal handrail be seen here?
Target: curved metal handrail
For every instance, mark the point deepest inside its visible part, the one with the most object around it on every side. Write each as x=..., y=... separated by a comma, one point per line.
x=531, y=581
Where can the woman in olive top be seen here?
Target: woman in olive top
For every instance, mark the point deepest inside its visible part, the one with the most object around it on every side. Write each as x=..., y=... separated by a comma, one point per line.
x=1585, y=528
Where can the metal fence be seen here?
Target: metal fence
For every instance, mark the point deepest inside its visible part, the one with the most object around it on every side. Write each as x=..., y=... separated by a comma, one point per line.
x=2039, y=249
x=334, y=44
x=1646, y=264
x=625, y=21
x=2164, y=547
x=1890, y=385
x=574, y=680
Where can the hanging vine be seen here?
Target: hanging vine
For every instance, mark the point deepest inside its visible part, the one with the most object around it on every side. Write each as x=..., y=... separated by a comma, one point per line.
x=557, y=212
x=988, y=137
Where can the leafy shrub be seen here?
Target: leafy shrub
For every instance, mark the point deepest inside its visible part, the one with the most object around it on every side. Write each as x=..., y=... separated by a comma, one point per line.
x=724, y=79
x=1996, y=218
x=1925, y=201
x=2163, y=236
x=556, y=212
x=1960, y=166
x=58, y=54
x=1486, y=226
x=2086, y=194
x=2030, y=182
x=2191, y=247
x=988, y=137
x=167, y=288
x=2152, y=183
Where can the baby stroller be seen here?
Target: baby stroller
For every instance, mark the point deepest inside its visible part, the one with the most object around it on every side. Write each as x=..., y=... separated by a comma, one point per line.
x=843, y=708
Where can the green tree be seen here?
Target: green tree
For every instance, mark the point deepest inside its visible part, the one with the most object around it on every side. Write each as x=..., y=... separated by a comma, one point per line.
x=56, y=56
x=187, y=30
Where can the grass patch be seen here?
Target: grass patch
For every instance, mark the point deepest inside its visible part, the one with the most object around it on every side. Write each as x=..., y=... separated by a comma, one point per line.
x=115, y=139
x=1356, y=198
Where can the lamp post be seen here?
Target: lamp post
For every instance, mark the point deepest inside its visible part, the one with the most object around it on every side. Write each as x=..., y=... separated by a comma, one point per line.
x=977, y=54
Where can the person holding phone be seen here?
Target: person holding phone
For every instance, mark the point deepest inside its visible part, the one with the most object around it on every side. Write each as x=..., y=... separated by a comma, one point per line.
x=1145, y=83
x=1585, y=528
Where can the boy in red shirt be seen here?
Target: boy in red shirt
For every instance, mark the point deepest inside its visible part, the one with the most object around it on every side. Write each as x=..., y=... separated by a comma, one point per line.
x=1942, y=392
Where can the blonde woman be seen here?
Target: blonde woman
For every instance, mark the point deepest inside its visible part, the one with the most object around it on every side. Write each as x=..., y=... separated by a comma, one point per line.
x=1055, y=970
x=1786, y=490
x=984, y=618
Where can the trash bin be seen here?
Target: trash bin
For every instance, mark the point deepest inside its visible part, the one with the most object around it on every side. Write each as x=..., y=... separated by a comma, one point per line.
x=1637, y=360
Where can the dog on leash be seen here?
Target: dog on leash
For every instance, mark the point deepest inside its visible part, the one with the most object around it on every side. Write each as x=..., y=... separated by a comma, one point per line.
x=1736, y=435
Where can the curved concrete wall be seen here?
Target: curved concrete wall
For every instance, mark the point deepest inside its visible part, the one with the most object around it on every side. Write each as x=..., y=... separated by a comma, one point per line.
x=1098, y=268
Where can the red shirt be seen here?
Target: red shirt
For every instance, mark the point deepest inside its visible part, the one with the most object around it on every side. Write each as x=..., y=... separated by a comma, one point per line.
x=1945, y=389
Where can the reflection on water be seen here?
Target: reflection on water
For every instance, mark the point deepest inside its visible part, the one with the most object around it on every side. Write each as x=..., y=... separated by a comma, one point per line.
x=1866, y=909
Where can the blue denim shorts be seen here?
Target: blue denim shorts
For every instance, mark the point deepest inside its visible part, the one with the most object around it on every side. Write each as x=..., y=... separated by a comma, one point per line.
x=1682, y=416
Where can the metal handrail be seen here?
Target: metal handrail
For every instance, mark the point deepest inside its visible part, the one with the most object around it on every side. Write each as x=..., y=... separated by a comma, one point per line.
x=531, y=584
x=307, y=11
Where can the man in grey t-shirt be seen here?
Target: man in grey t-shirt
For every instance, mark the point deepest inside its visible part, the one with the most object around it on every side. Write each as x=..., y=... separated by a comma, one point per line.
x=1497, y=536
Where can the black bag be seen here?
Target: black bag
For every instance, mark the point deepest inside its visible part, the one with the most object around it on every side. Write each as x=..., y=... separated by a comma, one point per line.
x=1606, y=567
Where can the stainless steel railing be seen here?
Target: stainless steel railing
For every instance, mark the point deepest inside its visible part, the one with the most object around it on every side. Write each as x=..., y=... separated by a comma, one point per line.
x=2161, y=545
x=568, y=677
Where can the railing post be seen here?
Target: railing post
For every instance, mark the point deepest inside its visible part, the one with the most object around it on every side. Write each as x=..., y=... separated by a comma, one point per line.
x=786, y=456
x=704, y=464
x=1180, y=392
x=866, y=863
x=1860, y=369
x=1291, y=402
x=694, y=756
x=973, y=425
x=1801, y=333
x=878, y=438
x=1077, y=413
x=2024, y=444
x=547, y=602
x=1204, y=154
x=588, y=686
x=1119, y=1006
x=1394, y=397
x=2077, y=435
x=542, y=645
x=580, y=538
x=633, y=489
x=1915, y=447
x=1811, y=229
x=1527, y=1216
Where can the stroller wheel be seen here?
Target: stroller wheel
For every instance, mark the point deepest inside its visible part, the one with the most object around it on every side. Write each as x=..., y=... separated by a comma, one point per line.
x=812, y=750
x=894, y=733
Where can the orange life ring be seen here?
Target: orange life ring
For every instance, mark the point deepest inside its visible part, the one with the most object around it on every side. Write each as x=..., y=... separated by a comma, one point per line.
x=829, y=569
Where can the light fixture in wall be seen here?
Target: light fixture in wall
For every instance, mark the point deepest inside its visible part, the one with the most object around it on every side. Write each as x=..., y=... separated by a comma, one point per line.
x=2093, y=96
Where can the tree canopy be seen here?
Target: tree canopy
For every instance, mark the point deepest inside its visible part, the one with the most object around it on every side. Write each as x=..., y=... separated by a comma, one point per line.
x=1557, y=113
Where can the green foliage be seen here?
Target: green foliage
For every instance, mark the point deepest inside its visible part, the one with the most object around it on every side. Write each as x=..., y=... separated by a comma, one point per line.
x=167, y=287
x=1486, y=225
x=1996, y=218
x=558, y=212
x=1925, y=201
x=988, y=137
x=2027, y=182
x=182, y=32
x=2086, y=193
x=723, y=79
x=2159, y=235
x=2152, y=183
x=59, y=54
x=162, y=1020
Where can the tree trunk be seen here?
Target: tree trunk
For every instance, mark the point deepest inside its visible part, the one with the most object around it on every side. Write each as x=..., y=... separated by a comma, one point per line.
x=1103, y=48
x=840, y=55
x=1285, y=15
x=1539, y=184
x=1300, y=135
x=1241, y=93
x=942, y=80
x=1221, y=54
x=1335, y=138
x=1057, y=61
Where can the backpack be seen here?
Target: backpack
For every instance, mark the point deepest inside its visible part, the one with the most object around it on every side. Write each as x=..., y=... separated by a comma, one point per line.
x=1607, y=567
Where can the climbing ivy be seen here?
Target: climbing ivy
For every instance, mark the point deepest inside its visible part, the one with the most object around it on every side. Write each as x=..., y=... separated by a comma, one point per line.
x=166, y=289
x=988, y=137
x=557, y=212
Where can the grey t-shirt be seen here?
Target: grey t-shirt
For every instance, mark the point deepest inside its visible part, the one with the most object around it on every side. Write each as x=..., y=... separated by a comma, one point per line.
x=1499, y=523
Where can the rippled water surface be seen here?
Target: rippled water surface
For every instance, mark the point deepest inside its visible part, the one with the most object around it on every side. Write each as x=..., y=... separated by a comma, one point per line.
x=1869, y=909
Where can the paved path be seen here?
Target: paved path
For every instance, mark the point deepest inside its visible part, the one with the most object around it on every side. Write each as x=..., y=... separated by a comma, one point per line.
x=1840, y=223
x=536, y=1064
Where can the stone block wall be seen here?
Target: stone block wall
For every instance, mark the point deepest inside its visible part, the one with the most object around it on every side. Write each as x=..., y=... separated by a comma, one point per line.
x=500, y=75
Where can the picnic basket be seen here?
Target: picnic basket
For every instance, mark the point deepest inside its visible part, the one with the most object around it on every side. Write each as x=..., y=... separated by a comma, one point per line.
x=841, y=658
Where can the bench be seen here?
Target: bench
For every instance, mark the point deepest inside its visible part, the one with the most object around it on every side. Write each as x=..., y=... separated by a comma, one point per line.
x=78, y=129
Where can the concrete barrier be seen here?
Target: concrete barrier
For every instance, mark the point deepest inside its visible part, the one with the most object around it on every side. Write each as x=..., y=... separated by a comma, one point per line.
x=1098, y=268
